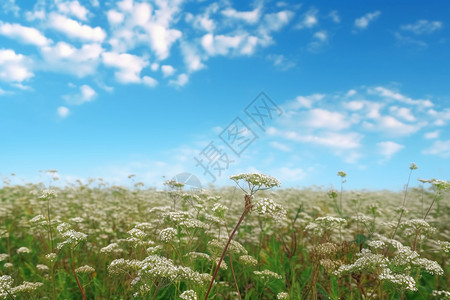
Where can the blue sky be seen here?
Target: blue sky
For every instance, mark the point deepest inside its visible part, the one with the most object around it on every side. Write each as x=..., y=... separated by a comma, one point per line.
x=111, y=88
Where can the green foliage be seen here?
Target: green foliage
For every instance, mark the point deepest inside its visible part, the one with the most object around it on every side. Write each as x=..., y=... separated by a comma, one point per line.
x=351, y=254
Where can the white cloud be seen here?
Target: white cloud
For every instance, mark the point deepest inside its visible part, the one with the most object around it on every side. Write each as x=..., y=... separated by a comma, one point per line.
x=149, y=81
x=440, y=117
x=221, y=44
x=181, y=80
x=27, y=35
x=391, y=126
x=324, y=119
x=63, y=111
x=72, y=8
x=320, y=39
x=281, y=62
x=14, y=67
x=144, y=24
x=129, y=65
x=309, y=19
x=162, y=39
x=432, y=134
x=250, y=17
x=422, y=27
x=364, y=21
x=86, y=94
x=389, y=148
x=439, y=148
x=333, y=140
x=74, y=29
x=10, y=6
x=167, y=70
x=321, y=35
x=304, y=102
x=191, y=57
x=65, y=58
x=354, y=105
x=403, y=113
x=115, y=17
x=276, y=21
x=280, y=146
x=334, y=15
x=405, y=40
x=382, y=91
x=287, y=174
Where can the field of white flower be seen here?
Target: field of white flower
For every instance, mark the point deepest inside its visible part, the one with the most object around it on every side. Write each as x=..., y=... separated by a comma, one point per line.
x=252, y=241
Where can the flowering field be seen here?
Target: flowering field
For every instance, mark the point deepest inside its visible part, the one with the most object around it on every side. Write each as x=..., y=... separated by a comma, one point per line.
x=106, y=242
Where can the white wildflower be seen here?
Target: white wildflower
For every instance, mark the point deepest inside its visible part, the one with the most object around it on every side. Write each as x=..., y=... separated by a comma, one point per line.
x=377, y=244
x=266, y=274
x=282, y=296
x=248, y=260
x=85, y=269
x=445, y=246
x=167, y=235
x=26, y=287
x=188, y=295
x=269, y=208
x=5, y=286
x=23, y=250
x=48, y=194
x=110, y=248
x=401, y=280
x=42, y=268
x=137, y=233
x=442, y=295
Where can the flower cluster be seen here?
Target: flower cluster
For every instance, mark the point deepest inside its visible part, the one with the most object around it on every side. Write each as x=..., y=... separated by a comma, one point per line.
x=266, y=274
x=418, y=226
x=188, y=295
x=445, y=246
x=325, y=224
x=23, y=250
x=72, y=237
x=367, y=261
x=282, y=296
x=248, y=260
x=48, y=194
x=167, y=235
x=5, y=286
x=85, y=269
x=26, y=287
x=267, y=207
x=442, y=295
x=256, y=181
x=401, y=280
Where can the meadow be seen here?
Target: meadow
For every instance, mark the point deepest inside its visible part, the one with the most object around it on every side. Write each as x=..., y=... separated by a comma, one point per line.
x=95, y=241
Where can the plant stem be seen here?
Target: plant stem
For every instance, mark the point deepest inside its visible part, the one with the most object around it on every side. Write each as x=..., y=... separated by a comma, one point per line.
x=403, y=205
x=234, y=276
x=248, y=206
x=75, y=274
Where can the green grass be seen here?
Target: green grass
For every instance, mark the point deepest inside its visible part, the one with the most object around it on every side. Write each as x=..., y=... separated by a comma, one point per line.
x=307, y=252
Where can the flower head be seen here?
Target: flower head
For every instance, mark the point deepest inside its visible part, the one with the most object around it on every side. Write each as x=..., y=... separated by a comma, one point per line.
x=256, y=181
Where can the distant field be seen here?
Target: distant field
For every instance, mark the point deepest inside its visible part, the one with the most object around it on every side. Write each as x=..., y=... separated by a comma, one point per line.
x=305, y=244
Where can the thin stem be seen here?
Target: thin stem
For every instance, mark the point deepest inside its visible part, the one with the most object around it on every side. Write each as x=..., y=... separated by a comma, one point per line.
x=403, y=205
x=234, y=276
x=75, y=274
x=429, y=208
x=49, y=222
x=246, y=210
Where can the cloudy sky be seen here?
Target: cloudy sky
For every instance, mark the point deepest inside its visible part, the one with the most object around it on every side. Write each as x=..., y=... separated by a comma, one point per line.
x=298, y=90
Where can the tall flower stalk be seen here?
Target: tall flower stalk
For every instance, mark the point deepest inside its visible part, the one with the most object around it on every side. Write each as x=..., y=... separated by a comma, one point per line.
x=254, y=182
